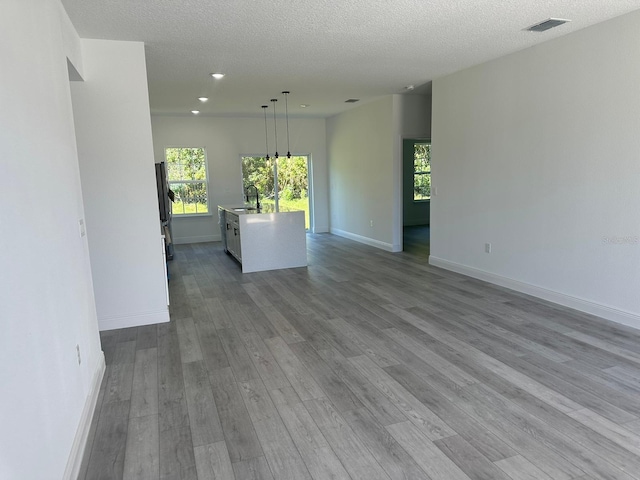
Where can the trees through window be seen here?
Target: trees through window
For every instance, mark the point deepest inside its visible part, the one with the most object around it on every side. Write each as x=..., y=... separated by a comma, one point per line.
x=422, y=171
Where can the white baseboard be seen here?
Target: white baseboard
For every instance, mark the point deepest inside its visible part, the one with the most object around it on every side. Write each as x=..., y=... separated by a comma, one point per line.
x=609, y=313
x=366, y=240
x=321, y=229
x=196, y=239
x=79, y=446
x=111, y=323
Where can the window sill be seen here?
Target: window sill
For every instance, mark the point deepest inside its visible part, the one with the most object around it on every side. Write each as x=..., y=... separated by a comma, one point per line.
x=422, y=201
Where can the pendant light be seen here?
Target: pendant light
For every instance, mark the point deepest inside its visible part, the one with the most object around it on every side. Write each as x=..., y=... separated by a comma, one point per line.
x=286, y=113
x=276, y=200
x=275, y=134
x=275, y=126
x=266, y=136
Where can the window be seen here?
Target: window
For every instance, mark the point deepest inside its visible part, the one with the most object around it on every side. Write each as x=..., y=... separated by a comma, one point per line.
x=187, y=176
x=422, y=172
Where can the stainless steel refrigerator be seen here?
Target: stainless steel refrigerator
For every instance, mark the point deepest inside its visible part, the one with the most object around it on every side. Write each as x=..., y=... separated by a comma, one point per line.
x=164, y=206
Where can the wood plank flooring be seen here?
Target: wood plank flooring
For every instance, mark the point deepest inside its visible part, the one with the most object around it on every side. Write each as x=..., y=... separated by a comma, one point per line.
x=365, y=365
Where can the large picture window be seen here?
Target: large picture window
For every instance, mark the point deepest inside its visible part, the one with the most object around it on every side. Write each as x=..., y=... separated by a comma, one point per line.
x=422, y=172
x=187, y=176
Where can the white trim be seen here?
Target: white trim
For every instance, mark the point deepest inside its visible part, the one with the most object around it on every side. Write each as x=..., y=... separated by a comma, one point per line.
x=74, y=463
x=366, y=240
x=311, y=201
x=587, y=306
x=111, y=323
x=321, y=229
x=196, y=239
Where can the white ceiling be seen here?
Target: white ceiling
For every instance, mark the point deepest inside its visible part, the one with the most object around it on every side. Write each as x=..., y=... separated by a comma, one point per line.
x=323, y=51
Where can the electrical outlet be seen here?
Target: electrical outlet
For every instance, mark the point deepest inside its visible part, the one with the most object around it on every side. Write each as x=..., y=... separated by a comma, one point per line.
x=435, y=191
x=78, y=352
x=487, y=248
x=82, y=230
x=371, y=223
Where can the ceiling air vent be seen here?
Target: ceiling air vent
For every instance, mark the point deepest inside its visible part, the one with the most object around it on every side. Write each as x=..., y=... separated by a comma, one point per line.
x=352, y=100
x=546, y=25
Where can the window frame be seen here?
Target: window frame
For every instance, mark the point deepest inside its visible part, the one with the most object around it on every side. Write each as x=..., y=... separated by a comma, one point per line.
x=205, y=182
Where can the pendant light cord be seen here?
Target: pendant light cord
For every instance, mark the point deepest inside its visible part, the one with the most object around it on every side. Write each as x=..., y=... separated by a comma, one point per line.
x=275, y=126
x=266, y=135
x=286, y=113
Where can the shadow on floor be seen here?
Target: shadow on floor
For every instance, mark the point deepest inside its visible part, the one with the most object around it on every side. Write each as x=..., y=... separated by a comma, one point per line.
x=416, y=240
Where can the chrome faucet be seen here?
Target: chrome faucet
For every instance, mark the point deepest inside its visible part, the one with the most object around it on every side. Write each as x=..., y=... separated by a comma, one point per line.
x=248, y=196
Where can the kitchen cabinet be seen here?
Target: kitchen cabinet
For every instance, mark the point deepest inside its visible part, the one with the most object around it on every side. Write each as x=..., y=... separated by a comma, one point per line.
x=234, y=245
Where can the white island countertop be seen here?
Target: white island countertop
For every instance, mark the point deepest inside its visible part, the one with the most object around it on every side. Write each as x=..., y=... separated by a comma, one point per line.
x=270, y=240
x=251, y=209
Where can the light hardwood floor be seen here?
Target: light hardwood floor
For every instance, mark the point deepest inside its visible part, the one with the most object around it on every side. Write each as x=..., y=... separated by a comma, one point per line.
x=365, y=365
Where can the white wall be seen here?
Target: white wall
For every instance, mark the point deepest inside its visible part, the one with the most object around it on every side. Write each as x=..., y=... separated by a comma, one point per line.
x=46, y=303
x=416, y=116
x=416, y=125
x=115, y=148
x=363, y=145
x=538, y=154
x=226, y=139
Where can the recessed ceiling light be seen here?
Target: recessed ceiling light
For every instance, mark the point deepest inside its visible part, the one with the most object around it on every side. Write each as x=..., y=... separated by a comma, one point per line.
x=304, y=105
x=203, y=99
x=195, y=112
x=217, y=76
x=409, y=87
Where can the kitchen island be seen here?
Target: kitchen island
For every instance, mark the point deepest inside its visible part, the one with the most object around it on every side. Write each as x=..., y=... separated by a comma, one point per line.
x=263, y=240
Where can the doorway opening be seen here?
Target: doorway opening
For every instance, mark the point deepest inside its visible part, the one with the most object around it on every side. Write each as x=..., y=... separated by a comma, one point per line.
x=416, y=161
x=283, y=185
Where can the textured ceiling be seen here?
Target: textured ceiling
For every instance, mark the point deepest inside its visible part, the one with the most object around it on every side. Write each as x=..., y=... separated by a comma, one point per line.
x=323, y=51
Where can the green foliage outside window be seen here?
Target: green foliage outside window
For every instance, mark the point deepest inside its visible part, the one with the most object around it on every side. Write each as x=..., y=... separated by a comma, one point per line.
x=187, y=175
x=422, y=171
x=293, y=182
x=257, y=171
